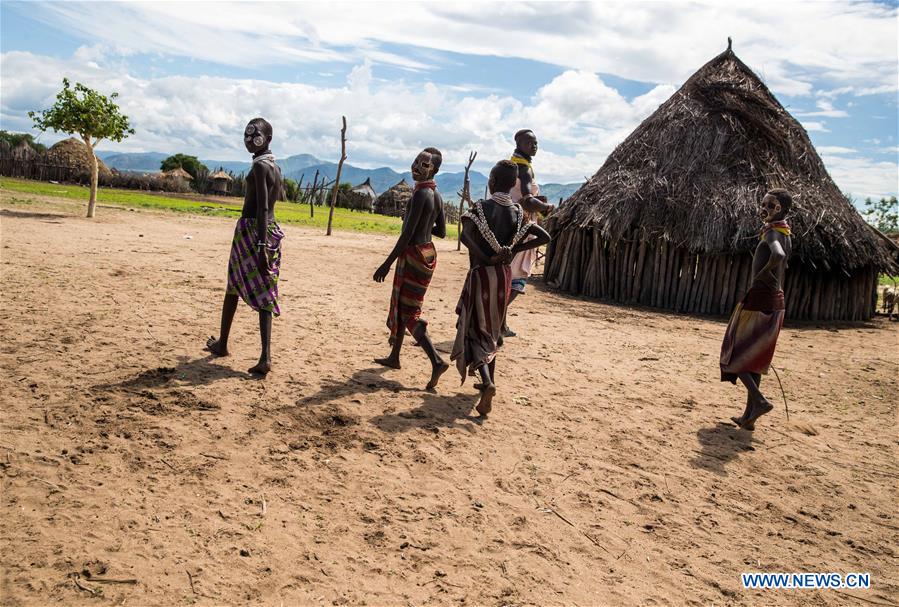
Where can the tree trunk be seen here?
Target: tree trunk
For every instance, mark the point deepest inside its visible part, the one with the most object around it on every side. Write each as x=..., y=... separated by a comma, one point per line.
x=95, y=169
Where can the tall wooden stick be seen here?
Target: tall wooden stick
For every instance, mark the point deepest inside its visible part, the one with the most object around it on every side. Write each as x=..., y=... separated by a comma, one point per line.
x=464, y=195
x=339, y=169
x=311, y=199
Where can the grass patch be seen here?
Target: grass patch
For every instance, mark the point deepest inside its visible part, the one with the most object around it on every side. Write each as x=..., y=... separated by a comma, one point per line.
x=286, y=212
x=887, y=280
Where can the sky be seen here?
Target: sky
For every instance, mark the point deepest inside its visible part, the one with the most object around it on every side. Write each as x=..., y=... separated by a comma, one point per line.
x=459, y=76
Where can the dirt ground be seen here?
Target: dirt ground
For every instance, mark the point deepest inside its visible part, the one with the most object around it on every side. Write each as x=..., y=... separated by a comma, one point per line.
x=605, y=475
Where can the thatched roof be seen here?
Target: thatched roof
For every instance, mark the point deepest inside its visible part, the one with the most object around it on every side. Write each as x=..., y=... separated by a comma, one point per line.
x=394, y=200
x=365, y=189
x=72, y=152
x=178, y=173
x=695, y=171
x=220, y=174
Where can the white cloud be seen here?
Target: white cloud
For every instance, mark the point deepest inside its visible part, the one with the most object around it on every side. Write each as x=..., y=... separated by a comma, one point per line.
x=578, y=117
x=813, y=126
x=825, y=109
x=850, y=45
x=835, y=149
x=862, y=177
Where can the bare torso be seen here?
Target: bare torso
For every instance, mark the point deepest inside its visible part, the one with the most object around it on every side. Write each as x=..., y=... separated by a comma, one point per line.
x=431, y=204
x=773, y=278
x=271, y=173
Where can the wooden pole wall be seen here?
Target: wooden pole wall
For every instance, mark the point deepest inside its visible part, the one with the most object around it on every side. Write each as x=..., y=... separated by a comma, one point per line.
x=652, y=271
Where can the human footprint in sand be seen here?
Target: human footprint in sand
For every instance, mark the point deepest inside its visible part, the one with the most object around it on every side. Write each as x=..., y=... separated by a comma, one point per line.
x=255, y=262
x=751, y=335
x=416, y=260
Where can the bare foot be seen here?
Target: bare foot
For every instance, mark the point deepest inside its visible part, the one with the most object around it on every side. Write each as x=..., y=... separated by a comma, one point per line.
x=485, y=405
x=261, y=368
x=759, y=409
x=436, y=372
x=393, y=363
x=742, y=423
x=216, y=347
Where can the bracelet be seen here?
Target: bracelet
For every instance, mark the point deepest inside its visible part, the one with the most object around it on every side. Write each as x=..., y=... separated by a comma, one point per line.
x=260, y=245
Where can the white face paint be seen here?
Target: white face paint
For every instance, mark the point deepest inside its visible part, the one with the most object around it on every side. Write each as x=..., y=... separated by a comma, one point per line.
x=423, y=167
x=253, y=138
x=769, y=209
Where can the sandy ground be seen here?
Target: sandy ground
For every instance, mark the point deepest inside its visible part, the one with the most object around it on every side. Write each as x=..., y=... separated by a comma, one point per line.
x=605, y=475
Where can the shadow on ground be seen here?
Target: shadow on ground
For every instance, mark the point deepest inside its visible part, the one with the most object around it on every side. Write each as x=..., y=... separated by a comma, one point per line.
x=435, y=410
x=31, y=215
x=719, y=445
x=197, y=372
x=362, y=381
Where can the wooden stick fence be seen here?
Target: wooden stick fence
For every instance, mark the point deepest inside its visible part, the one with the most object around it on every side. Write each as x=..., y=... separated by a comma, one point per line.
x=654, y=272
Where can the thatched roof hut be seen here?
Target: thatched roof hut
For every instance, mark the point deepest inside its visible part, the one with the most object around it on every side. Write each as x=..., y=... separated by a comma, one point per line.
x=221, y=182
x=178, y=173
x=393, y=202
x=671, y=218
x=359, y=198
x=73, y=153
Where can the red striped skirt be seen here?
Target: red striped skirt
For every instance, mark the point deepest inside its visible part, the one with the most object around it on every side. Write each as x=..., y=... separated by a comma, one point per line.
x=414, y=270
x=751, y=335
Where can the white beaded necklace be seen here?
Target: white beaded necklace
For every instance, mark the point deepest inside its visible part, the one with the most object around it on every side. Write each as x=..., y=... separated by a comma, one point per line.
x=476, y=214
x=264, y=158
x=502, y=198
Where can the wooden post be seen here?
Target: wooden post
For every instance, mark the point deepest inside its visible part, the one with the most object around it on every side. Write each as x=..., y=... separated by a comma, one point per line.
x=724, y=288
x=311, y=199
x=672, y=276
x=339, y=170
x=638, y=270
x=815, y=296
x=682, y=283
x=629, y=268
x=464, y=195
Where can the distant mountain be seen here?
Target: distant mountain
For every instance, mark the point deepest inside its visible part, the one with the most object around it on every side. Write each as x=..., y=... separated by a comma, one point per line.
x=133, y=161
x=554, y=191
x=305, y=166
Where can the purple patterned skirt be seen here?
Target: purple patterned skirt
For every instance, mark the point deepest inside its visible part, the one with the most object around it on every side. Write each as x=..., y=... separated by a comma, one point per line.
x=244, y=278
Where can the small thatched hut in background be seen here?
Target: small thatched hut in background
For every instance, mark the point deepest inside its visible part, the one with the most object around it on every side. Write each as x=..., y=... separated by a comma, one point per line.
x=73, y=153
x=178, y=174
x=359, y=198
x=221, y=182
x=393, y=202
x=671, y=218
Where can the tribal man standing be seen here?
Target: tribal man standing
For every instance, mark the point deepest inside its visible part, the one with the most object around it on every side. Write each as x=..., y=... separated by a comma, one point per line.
x=416, y=260
x=494, y=231
x=526, y=193
x=255, y=262
x=755, y=324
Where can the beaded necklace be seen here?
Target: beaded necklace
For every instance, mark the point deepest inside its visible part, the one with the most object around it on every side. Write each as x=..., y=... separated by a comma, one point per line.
x=476, y=214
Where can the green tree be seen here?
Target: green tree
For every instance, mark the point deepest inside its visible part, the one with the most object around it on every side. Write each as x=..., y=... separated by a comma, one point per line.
x=189, y=163
x=291, y=189
x=84, y=112
x=883, y=214
x=14, y=139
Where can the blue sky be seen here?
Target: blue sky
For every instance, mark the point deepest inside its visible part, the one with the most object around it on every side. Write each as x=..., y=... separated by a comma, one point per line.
x=456, y=75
